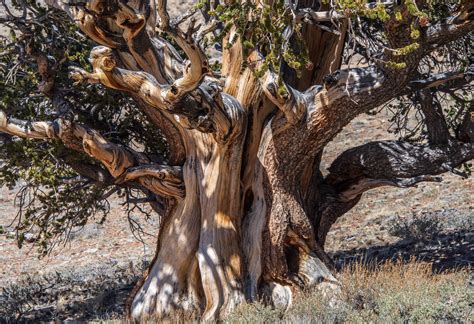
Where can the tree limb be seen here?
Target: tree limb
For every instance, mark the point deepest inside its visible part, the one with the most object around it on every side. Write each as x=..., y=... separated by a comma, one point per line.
x=365, y=184
x=206, y=109
x=106, y=72
x=289, y=100
x=383, y=163
x=440, y=79
x=438, y=132
x=162, y=180
x=89, y=24
x=465, y=131
x=197, y=66
x=389, y=160
x=461, y=23
x=309, y=15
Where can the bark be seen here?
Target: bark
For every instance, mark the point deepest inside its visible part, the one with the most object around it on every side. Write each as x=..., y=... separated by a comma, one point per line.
x=438, y=132
x=385, y=163
x=465, y=131
x=247, y=209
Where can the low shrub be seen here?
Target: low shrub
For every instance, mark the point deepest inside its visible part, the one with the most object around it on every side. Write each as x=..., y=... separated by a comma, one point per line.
x=420, y=227
x=79, y=294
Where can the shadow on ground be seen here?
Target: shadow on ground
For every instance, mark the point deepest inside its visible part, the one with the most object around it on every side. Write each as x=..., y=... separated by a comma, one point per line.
x=78, y=295
x=446, y=251
x=100, y=293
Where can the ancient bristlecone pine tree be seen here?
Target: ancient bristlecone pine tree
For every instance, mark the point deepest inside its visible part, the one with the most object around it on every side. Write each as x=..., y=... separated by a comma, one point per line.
x=244, y=205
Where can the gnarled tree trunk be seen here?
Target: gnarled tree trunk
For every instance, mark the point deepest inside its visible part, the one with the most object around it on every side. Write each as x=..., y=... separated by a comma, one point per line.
x=247, y=209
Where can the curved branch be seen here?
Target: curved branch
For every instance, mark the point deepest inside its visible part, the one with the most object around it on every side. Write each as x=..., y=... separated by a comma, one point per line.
x=362, y=185
x=117, y=159
x=458, y=25
x=35, y=130
x=133, y=18
x=197, y=66
x=311, y=16
x=163, y=179
x=197, y=100
x=107, y=73
x=385, y=163
x=396, y=159
x=91, y=171
x=206, y=109
x=442, y=79
x=350, y=92
x=289, y=100
x=121, y=26
x=89, y=24
x=122, y=163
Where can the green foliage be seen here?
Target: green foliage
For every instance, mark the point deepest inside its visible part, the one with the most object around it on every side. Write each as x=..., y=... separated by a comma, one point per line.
x=407, y=49
x=53, y=198
x=360, y=8
x=272, y=30
x=269, y=29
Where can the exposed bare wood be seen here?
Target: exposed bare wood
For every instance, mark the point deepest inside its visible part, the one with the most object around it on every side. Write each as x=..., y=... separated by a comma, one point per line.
x=287, y=99
x=161, y=179
x=311, y=16
x=245, y=207
x=123, y=164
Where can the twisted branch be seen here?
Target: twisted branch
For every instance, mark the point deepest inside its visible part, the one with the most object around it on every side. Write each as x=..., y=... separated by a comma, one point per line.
x=384, y=163
x=196, y=67
x=163, y=179
x=123, y=164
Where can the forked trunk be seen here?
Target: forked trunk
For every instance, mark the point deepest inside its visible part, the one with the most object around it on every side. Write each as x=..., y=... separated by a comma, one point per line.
x=217, y=247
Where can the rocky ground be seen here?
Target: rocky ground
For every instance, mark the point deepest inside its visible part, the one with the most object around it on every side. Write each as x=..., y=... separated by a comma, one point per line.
x=90, y=276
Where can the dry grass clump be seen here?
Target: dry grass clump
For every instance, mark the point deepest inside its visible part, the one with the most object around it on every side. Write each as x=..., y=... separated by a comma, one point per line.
x=385, y=293
x=390, y=292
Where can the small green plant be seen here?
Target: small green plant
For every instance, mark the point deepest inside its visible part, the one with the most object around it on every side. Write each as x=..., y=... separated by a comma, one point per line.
x=421, y=227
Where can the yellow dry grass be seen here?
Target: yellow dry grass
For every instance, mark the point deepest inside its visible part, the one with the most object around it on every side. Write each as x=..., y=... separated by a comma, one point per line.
x=384, y=293
x=391, y=292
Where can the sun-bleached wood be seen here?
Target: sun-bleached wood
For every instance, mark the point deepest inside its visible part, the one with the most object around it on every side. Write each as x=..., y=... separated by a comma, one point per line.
x=247, y=207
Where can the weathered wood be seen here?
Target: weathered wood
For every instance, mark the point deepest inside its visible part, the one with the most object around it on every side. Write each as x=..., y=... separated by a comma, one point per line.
x=246, y=209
